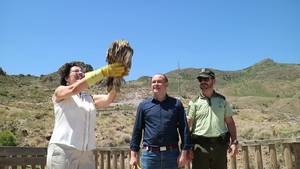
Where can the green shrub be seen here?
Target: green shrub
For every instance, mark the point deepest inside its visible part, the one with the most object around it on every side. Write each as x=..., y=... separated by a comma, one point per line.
x=7, y=138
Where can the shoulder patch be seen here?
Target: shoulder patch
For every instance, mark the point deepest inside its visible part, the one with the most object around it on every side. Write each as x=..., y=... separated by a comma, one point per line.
x=219, y=95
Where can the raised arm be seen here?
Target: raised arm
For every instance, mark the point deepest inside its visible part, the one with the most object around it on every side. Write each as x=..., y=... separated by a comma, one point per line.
x=90, y=78
x=104, y=100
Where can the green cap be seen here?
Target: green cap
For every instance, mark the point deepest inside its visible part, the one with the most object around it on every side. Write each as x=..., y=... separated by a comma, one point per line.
x=205, y=73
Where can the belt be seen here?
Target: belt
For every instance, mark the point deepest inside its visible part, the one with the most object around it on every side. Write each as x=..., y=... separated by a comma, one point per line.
x=202, y=139
x=161, y=148
x=211, y=139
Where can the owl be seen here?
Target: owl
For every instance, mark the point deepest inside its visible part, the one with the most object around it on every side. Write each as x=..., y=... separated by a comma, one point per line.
x=119, y=52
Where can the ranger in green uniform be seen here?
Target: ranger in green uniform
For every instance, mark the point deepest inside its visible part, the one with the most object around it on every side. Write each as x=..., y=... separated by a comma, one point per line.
x=212, y=126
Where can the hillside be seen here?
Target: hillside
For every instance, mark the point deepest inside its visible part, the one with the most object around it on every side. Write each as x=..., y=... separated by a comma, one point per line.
x=266, y=97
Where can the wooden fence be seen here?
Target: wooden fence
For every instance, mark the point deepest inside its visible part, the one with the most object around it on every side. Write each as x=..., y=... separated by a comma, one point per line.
x=22, y=157
x=273, y=154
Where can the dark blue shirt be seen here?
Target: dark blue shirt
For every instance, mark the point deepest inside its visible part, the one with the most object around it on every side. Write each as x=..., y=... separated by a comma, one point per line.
x=159, y=121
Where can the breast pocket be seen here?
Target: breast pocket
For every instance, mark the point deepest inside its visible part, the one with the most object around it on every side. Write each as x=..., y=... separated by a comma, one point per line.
x=202, y=111
x=218, y=107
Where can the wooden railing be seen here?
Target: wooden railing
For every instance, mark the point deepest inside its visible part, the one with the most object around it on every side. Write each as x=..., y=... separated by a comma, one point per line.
x=24, y=157
x=270, y=154
x=112, y=158
x=273, y=154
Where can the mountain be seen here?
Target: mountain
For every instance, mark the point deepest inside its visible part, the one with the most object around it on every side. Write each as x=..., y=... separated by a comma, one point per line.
x=266, y=97
x=265, y=78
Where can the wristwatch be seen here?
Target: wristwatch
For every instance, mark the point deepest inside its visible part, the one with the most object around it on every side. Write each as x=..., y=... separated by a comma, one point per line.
x=236, y=142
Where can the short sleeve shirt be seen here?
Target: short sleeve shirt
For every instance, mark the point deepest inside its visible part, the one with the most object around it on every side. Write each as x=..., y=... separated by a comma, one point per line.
x=208, y=115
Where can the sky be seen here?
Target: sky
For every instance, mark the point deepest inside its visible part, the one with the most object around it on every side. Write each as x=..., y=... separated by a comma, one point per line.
x=38, y=36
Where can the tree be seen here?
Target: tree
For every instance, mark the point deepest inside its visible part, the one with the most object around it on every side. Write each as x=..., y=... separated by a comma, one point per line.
x=7, y=138
x=2, y=72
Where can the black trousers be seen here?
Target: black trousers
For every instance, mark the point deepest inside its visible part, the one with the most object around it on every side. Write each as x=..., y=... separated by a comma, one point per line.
x=210, y=152
x=209, y=155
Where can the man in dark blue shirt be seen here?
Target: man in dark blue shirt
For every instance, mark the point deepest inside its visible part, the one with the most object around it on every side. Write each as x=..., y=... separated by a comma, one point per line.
x=158, y=120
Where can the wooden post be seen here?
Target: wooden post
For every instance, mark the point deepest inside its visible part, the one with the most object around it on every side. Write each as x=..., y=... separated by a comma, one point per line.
x=101, y=160
x=108, y=160
x=129, y=156
x=273, y=156
x=23, y=166
x=245, y=157
x=122, y=165
x=96, y=158
x=258, y=157
x=296, y=148
x=32, y=163
x=233, y=162
x=288, y=156
x=115, y=160
x=14, y=166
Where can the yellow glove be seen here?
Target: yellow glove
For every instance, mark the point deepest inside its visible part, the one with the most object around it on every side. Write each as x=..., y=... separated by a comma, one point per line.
x=113, y=70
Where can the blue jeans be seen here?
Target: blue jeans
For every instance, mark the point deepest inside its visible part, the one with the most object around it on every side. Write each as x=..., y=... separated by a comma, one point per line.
x=159, y=160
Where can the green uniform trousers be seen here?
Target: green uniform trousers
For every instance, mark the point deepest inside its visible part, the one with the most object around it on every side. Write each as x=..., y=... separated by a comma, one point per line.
x=209, y=155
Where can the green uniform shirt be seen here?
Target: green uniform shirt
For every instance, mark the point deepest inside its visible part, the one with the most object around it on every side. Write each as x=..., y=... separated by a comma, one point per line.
x=208, y=115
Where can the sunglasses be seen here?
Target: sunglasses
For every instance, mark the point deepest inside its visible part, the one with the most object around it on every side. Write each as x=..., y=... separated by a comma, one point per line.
x=205, y=79
x=77, y=71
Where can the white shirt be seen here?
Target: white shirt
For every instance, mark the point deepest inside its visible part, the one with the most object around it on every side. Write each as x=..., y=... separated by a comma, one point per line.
x=75, y=122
